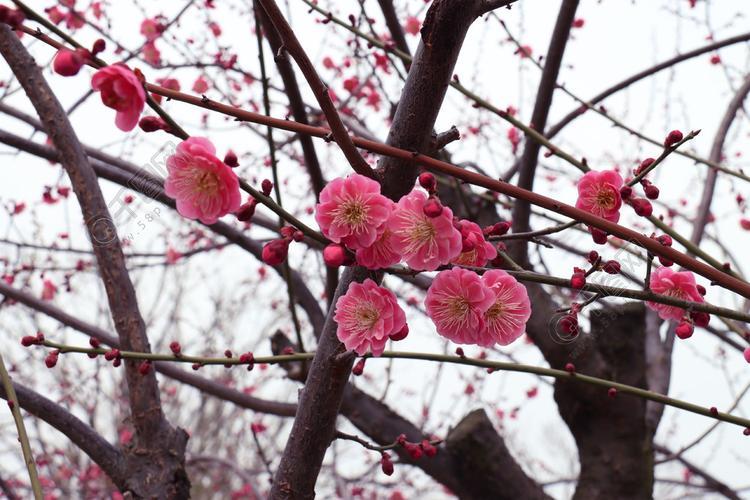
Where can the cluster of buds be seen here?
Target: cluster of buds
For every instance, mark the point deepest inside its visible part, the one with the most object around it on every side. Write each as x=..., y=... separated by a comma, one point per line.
x=666, y=241
x=29, y=340
x=432, y=208
x=417, y=450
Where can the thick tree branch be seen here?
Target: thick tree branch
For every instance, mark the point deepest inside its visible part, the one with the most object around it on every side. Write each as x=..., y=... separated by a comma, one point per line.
x=155, y=439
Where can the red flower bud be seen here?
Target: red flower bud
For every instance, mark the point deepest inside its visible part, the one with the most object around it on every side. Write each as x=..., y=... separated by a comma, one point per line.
x=593, y=256
x=611, y=267
x=414, y=450
x=642, y=207
x=99, y=46
x=570, y=367
x=700, y=318
x=428, y=448
x=246, y=210
x=152, y=124
x=67, y=62
x=611, y=392
x=644, y=165
x=701, y=289
x=578, y=279
x=386, y=464
x=275, y=252
x=665, y=240
x=433, y=208
x=684, y=330
x=230, y=159
x=665, y=262
x=266, y=186
x=175, y=348
x=28, y=340
x=651, y=191
x=599, y=236
x=335, y=255
x=401, y=334
x=359, y=367
x=428, y=182
x=144, y=367
x=51, y=359
x=626, y=192
x=673, y=138
x=112, y=354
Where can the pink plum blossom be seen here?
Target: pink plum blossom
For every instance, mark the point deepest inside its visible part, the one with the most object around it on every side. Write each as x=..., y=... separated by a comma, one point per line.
x=122, y=91
x=475, y=251
x=366, y=316
x=151, y=29
x=680, y=285
x=380, y=254
x=599, y=194
x=352, y=211
x=505, y=320
x=456, y=302
x=425, y=243
x=203, y=186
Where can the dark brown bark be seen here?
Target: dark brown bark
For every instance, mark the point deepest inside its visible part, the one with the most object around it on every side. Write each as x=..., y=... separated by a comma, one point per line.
x=314, y=422
x=156, y=457
x=614, y=441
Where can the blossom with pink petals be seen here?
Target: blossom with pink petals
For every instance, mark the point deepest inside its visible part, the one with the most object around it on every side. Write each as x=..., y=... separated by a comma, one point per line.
x=366, y=316
x=677, y=284
x=599, y=194
x=456, y=302
x=475, y=250
x=380, y=254
x=352, y=211
x=425, y=243
x=203, y=186
x=505, y=320
x=151, y=29
x=122, y=91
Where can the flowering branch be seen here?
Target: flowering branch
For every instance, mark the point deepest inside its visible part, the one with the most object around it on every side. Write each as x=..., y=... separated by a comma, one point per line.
x=568, y=374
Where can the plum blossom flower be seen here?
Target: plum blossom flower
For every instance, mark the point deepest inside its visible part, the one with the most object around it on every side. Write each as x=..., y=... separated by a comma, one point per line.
x=366, y=316
x=412, y=25
x=456, y=302
x=122, y=91
x=151, y=29
x=352, y=211
x=599, y=194
x=680, y=285
x=203, y=186
x=380, y=254
x=423, y=242
x=506, y=319
x=475, y=251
